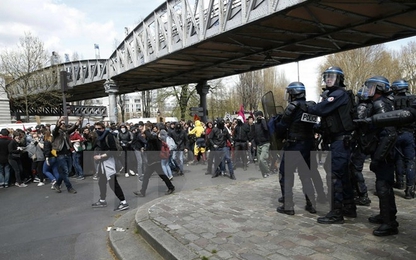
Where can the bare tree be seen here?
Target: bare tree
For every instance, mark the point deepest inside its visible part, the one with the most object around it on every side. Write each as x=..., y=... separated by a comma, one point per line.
x=33, y=86
x=221, y=100
x=250, y=88
x=360, y=64
x=407, y=64
x=253, y=85
x=121, y=102
x=278, y=87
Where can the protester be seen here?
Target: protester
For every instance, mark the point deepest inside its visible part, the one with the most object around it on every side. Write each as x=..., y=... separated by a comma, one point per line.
x=104, y=153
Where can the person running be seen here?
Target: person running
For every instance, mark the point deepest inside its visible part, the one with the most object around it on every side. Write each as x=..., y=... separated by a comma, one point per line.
x=104, y=146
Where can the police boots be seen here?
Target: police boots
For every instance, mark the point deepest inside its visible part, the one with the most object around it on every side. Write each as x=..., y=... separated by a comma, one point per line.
x=362, y=200
x=409, y=193
x=334, y=216
x=288, y=210
x=350, y=209
x=309, y=205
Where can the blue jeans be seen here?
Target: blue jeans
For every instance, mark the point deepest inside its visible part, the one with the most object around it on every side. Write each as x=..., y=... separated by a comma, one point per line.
x=64, y=164
x=178, y=156
x=166, y=168
x=51, y=170
x=4, y=174
x=221, y=158
x=139, y=160
x=76, y=162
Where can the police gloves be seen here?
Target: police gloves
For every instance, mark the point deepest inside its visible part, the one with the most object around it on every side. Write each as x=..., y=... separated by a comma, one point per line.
x=310, y=103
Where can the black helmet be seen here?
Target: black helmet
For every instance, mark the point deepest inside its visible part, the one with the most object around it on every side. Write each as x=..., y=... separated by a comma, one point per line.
x=295, y=90
x=399, y=86
x=178, y=126
x=334, y=71
x=376, y=84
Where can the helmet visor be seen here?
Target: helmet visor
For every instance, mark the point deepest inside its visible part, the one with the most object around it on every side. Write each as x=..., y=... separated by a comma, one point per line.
x=330, y=79
x=287, y=95
x=330, y=75
x=369, y=89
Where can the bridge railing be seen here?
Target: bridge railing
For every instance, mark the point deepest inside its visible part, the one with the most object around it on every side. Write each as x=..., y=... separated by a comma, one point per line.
x=177, y=24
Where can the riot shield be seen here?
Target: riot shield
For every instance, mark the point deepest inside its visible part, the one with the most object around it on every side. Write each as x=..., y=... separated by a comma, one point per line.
x=269, y=107
x=271, y=110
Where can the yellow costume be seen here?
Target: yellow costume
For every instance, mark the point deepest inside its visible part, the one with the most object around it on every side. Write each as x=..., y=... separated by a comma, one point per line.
x=199, y=132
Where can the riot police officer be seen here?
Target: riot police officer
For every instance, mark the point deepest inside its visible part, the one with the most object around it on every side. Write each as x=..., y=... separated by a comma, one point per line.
x=296, y=127
x=337, y=124
x=381, y=149
x=358, y=156
x=405, y=144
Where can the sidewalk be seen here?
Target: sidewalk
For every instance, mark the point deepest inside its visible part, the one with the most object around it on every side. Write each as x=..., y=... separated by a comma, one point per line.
x=239, y=221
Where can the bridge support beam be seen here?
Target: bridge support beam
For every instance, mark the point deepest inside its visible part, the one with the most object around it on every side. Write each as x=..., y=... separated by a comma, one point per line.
x=202, y=88
x=111, y=89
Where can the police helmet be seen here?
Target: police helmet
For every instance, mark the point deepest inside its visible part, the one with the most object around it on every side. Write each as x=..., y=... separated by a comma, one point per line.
x=362, y=95
x=295, y=90
x=376, y=84
x=399, y=86
x=334, y=71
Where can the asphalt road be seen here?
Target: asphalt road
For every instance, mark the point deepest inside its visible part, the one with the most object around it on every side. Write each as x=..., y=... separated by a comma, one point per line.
x=38, y=223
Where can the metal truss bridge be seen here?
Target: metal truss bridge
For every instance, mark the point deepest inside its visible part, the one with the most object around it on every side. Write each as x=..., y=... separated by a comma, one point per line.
x=99, y=111
x=191, y=41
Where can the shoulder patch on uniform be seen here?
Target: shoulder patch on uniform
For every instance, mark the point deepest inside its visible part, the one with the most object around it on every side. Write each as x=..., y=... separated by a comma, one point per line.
x=330, y=99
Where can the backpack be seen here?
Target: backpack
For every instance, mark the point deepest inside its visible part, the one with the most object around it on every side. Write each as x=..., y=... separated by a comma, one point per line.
x=120, y=150
x=171, y=143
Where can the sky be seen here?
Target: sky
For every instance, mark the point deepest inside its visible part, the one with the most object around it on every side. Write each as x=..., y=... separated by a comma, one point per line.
x=75, y=26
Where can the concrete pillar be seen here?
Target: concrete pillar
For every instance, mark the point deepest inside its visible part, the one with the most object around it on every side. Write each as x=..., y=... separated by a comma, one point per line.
x=111, y=89
x=202, y=89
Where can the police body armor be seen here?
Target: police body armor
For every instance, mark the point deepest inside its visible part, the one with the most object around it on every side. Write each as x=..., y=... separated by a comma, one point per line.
x=403, y=102
x=298, y=130
x=340, y=121
x=387, y=136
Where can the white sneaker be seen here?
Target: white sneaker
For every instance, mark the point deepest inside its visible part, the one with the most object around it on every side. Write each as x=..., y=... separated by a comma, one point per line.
x=132, y=173
x=41, y=184
x=21, y=185
x=36, y=179
x=127, y=175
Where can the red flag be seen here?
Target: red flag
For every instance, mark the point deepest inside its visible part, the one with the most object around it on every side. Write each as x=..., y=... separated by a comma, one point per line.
x=196, y=117
x=241, y=113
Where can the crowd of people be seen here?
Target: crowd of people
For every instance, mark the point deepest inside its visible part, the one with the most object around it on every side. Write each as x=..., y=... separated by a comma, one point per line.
x=41, y=154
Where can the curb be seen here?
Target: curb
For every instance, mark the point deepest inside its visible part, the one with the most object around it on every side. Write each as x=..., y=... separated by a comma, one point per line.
x=126, y=243
x=167, y=246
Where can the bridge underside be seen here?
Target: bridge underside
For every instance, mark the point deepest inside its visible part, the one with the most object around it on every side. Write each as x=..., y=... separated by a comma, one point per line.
x=307, y=30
